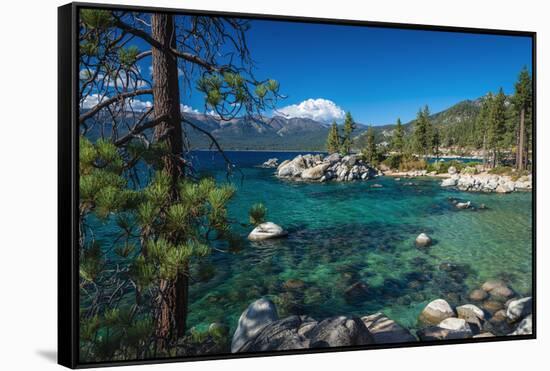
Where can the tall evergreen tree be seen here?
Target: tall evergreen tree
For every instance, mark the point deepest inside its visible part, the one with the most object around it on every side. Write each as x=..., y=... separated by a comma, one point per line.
x=174, y=217
x=347, y=141
x=333, y=139
x=482, y=125
x=497, y=125
x=370, y=152
x=423, y=132
x=522, y=100
x=398, y=137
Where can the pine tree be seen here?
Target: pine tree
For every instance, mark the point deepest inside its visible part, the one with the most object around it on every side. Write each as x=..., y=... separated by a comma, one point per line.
x=398, y=137
x=522, y=102
x=349, y=127
x=333, y=139
x=423, y=132
x=497, y=125
x=370, y=152
x=482, y=125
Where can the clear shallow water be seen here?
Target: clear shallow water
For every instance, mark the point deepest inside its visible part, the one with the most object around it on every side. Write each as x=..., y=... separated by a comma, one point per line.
x=341, y=233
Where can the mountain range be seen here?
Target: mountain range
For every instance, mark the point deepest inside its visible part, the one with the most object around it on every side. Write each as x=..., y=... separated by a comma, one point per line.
x=280, y=133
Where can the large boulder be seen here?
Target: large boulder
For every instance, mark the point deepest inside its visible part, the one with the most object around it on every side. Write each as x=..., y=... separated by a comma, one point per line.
x=423, y=240
x=473, y=315
x=525, y=327
x=457, y=326
x=386, y=331
x=449, y=182
x=266, y=231
x=340, y=331
x=518, y=309
x=283, y=334
x=435, y=312
x=315, y=172
x=432, y=333
x=452, y=170
x=505, y=187
x=293, y=168
x=333, y=158
x=258, y=315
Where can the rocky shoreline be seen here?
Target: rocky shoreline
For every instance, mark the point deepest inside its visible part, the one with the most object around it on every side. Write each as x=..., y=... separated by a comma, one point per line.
x=334, y=167
x=494, y=310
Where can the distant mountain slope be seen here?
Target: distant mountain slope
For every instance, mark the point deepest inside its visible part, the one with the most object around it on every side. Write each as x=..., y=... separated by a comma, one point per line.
x=462, y=113
x=303, y=134
x=277, y=133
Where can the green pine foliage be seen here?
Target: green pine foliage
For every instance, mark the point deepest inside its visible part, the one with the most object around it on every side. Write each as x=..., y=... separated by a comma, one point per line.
x=347, y=139
x=333, y=139
x=257, y=214
x=370, y=152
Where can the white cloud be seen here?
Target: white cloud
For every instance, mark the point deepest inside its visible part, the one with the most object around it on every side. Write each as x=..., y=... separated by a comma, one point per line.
x=187, y=109
x=316, y=109
x=90, y=101
x=132, y=104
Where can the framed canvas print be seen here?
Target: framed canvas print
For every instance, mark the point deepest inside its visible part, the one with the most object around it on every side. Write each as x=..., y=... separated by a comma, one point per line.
x=235, y=185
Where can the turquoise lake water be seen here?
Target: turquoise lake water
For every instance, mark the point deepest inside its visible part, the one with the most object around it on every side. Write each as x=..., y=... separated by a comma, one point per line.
x=342, y=233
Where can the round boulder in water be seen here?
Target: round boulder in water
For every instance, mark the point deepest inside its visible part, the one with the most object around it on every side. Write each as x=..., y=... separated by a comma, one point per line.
x=266, y=231
x=423, y=240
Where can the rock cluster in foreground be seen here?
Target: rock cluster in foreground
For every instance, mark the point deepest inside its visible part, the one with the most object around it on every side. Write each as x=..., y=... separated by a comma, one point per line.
x=485, y=182
x=497, y=312
x=260, y=329
x=332, y=167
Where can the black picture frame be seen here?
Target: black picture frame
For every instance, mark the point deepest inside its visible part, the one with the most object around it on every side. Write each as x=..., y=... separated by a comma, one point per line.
x=68, y=72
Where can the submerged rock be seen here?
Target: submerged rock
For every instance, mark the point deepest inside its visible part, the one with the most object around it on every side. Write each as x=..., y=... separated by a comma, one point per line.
x=478, y=295
x=258, y=315
x=423, y=240
x=463, y=205
x=293, y=284
x=357, y=291
x=266, y=231
x=435, y=312
x=386, y=331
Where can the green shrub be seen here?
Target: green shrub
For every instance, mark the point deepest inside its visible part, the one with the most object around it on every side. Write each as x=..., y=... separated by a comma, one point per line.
x=257, y=214
x=501, y=170
x=393, y=161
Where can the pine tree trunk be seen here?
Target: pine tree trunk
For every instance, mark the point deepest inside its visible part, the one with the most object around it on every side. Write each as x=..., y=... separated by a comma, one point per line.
x=171, y=304
x=521, y=139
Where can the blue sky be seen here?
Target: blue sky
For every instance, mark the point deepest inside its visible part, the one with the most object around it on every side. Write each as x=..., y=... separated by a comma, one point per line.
x=379, y=74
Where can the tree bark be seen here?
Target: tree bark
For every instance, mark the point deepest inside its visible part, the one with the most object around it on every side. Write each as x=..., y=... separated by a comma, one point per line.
x=171, y=311
x=521, y=139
